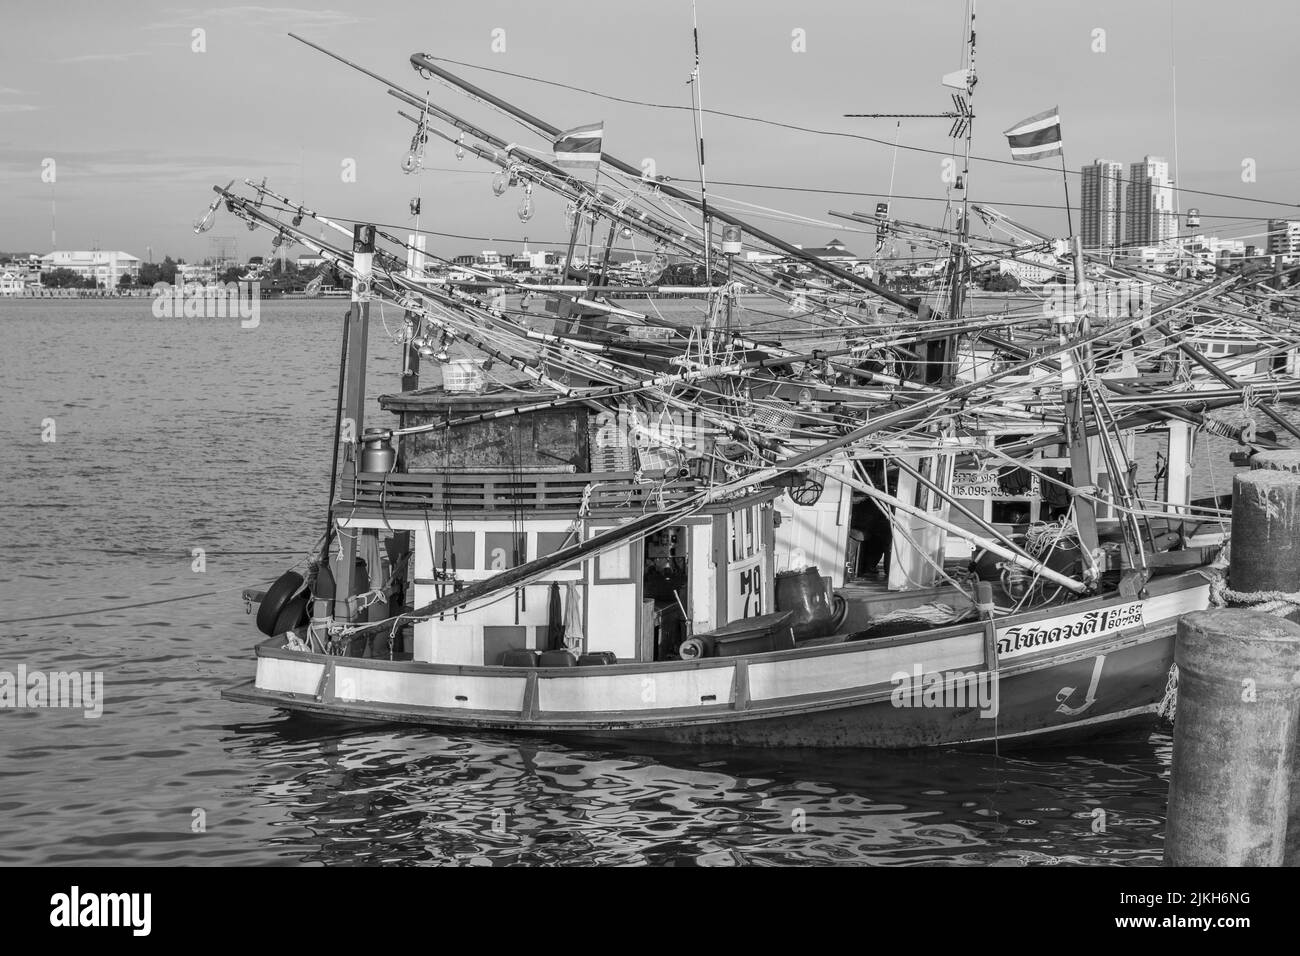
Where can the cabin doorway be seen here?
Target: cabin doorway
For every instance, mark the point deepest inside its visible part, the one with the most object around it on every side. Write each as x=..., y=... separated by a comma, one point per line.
x=872, y=530
x=665, y=590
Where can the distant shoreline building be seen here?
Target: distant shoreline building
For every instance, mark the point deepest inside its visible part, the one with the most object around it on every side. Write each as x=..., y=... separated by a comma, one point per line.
x=834, y=252
x=106, y=268
x=20, y=274
x=1284, y=239
x=1102, y=204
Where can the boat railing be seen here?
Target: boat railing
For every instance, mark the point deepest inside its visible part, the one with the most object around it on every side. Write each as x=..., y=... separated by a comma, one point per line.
x=509, y=493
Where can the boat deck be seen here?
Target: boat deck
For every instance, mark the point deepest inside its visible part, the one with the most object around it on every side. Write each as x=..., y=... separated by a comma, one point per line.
x=869, y=597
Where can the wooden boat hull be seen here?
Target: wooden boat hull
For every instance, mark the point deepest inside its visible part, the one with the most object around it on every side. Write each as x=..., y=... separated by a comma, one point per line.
x=1071, y=671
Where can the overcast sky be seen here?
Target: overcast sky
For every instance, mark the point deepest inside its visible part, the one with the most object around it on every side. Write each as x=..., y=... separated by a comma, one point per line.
x=140, y=126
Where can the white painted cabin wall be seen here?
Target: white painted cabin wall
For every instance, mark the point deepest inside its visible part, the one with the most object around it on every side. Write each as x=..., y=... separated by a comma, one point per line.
x=816, y=535
x=703, y=579
x=459, y=639
x=446, y=642
x=613, y=608
x=612, y=619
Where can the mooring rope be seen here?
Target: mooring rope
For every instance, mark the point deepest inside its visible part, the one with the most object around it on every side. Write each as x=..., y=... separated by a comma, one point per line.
x=1168, y=706
x=1279, y=603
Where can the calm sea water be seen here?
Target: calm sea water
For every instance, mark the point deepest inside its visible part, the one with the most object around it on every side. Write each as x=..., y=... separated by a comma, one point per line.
x=173, y=435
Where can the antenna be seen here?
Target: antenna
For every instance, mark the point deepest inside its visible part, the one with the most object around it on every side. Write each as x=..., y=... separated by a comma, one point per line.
x=962, y=116
x=697, y=100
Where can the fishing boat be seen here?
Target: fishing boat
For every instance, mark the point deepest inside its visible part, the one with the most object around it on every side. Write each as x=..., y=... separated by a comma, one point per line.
x=894, y=525
x=686, y=631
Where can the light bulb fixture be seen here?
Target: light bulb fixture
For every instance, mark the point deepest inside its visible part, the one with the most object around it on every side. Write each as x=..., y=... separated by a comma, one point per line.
x=745, y=401
x=525, y=211
x=204, y=223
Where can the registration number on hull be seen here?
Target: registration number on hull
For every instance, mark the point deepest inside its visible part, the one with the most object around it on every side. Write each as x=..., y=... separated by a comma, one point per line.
x=1053, y=632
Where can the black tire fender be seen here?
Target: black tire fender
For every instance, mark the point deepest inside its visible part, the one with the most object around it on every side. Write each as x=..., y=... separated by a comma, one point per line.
x=294, y=613
x=278, y=595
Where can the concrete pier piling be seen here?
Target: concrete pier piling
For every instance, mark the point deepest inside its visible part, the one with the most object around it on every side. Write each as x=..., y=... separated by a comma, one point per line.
x=1266, y=557
x=1234, y=739
x=1266, y=526
x=1281, y=459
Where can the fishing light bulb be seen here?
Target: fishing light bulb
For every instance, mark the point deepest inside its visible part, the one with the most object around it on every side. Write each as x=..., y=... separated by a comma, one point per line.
x=313, y=287
x=625, y=232
x=500, y=183
x=460, y=147
x=204, y=224
x=525, y=210
x=297, y=220
x=745, y=401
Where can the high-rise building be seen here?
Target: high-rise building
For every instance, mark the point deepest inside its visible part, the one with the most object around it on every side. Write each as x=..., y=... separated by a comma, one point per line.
x=1101, y=204
x=1150, y=203
x=1284, y=238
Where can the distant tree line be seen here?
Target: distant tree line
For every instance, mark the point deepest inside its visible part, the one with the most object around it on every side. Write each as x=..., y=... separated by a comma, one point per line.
x=999, y=282
x=67, y=279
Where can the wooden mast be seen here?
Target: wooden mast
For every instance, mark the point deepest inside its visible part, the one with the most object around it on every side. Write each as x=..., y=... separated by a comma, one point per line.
x=354, y=407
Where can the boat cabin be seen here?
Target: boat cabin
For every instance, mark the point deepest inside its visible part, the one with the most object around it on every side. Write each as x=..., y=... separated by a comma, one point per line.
x=487, y=481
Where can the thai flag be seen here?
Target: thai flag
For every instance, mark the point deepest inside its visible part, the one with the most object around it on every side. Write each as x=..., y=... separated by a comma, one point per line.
x=579, y=147
x=1037, y=137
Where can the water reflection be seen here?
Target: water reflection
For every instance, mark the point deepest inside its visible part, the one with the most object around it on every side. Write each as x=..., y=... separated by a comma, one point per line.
x=414, y=797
